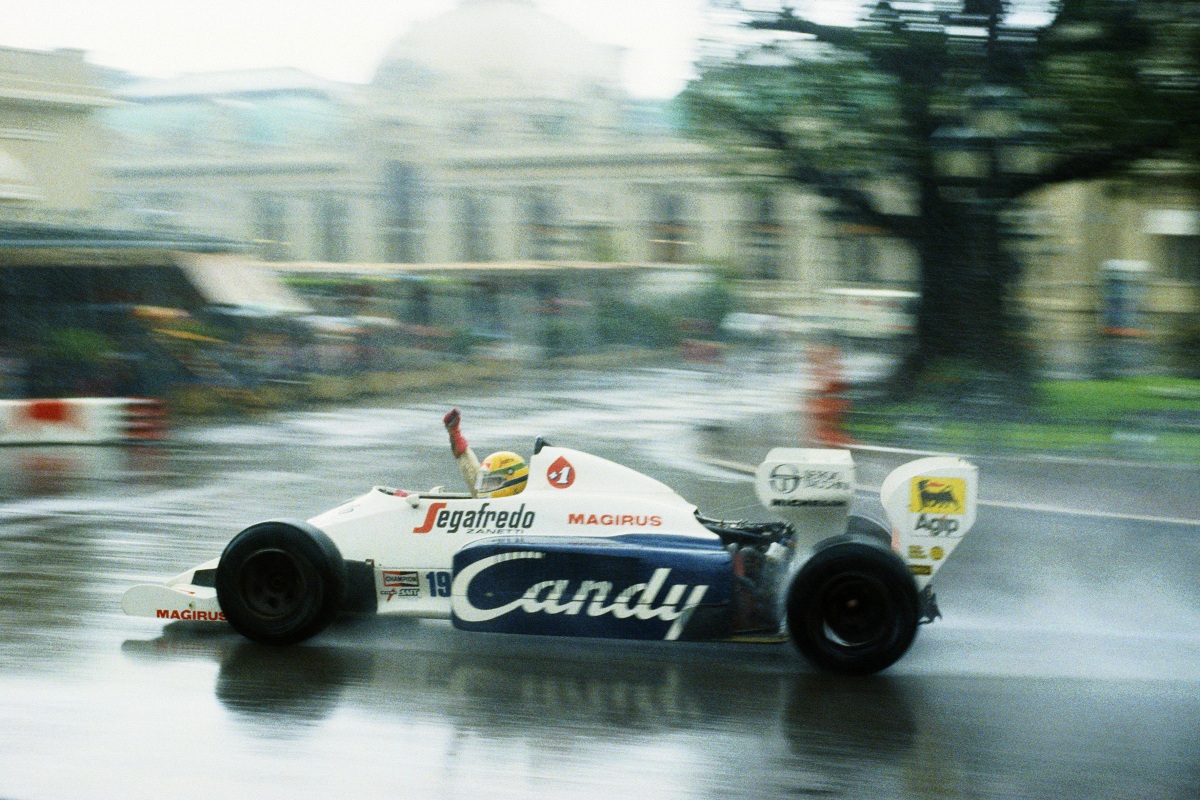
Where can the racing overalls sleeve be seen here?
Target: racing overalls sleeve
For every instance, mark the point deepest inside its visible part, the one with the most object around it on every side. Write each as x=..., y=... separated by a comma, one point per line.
x=468, y=462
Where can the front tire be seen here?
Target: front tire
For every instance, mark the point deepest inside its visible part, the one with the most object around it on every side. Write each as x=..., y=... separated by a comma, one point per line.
x=853, y=608
x=280, y=583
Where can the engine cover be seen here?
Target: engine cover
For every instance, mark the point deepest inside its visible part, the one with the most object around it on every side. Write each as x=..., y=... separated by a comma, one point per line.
x=638, y=586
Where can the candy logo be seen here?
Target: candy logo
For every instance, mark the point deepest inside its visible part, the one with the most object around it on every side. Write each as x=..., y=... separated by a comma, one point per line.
x=561, y=474
x=591, y=598
x=938, y=495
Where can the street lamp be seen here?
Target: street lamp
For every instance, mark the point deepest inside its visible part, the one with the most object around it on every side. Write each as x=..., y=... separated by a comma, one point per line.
x=993, y=145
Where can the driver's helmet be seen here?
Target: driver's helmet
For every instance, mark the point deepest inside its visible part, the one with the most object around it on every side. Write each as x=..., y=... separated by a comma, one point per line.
x=501, y=474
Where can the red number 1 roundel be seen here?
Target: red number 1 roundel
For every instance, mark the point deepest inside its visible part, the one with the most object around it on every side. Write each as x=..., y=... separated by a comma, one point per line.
x=561, y=474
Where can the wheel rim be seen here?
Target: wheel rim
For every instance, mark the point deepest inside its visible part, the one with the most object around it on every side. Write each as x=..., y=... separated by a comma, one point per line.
x=272, y=584
x=856, y=611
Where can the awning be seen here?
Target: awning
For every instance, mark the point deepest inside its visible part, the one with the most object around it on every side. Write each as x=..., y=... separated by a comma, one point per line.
x=233, y=279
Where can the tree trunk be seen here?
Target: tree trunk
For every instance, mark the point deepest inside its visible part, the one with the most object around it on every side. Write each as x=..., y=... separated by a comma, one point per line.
x=969, y=337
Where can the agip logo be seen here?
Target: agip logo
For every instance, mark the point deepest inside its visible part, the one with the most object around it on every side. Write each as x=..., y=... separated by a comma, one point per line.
x=938, y=495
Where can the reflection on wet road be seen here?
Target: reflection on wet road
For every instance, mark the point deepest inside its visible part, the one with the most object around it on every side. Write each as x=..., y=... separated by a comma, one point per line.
x=1067, y=665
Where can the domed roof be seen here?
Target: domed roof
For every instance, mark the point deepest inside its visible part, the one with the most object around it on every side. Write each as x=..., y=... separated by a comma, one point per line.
x=500, y=48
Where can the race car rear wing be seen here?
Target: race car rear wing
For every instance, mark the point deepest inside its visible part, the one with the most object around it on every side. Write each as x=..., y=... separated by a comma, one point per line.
x=930, y=503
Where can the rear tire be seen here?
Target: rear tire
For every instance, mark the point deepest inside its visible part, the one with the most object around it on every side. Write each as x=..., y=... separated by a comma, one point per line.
x=859, y=526
x=853, y=608
x=281, y=582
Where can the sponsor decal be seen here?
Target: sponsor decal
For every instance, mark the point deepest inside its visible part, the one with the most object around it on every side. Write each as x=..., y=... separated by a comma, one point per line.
x=916, y=551
x=616, y=520
x=189, y=614
x=561, y=474
x=589, y=597
x=936, y=526
x=483, y=519
x=938, y=495
x=787, y=478
x=401, y=579
x=400, y=583
x=920, y=569
x=798, y=502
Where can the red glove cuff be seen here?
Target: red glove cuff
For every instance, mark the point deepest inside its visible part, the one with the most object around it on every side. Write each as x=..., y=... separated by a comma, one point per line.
x=458, y=444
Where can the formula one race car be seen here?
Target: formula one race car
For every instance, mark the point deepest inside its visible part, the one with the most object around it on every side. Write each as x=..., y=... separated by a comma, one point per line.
x=594, y=549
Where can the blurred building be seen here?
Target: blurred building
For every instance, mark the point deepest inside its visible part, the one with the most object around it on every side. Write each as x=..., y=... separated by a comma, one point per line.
x=1115, y=264
x=495, y=134
x=492, y=133
x=77, y=282
x=51, y=137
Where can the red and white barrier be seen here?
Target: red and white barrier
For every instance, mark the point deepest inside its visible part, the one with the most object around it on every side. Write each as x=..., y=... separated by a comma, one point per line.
x=83, y=420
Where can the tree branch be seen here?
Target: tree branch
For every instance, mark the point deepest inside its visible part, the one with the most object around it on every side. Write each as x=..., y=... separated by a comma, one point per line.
x=825, y=183
x=787, y=22
x=1101, y=163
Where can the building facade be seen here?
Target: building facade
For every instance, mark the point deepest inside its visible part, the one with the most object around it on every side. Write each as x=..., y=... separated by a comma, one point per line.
x=492, y=133
x=51, y=136
x=1116, y=264
x=496, y=134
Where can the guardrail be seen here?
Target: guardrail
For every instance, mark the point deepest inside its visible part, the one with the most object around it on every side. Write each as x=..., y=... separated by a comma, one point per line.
x=82, y=420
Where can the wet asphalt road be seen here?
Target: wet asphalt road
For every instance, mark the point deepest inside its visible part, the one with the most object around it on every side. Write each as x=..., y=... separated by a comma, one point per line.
x=1067, y=664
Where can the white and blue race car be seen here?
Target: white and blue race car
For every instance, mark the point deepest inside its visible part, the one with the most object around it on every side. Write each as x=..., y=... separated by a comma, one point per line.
x=594, y=549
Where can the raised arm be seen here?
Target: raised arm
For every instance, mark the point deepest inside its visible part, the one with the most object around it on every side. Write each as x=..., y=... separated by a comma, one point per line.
x=468, y=462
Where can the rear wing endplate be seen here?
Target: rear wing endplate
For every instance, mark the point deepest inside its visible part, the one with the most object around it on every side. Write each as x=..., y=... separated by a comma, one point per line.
x=930, y=504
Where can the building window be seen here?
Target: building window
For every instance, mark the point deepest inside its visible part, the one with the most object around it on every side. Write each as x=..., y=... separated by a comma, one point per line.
x=484, y=304
x=271, y=228
x=669, y=232
x=858, y=253
x=542, y=222
x=550, y=126
x=474, y=228
x=332, y=217
x=473, y=129
x=419, y=301
x=402, y=214
x=765, y=238
x=1181, y=257
x=599, y=243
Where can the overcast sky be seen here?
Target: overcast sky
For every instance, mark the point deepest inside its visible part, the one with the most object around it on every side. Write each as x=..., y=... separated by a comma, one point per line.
x=337, y=39
x=342, y=40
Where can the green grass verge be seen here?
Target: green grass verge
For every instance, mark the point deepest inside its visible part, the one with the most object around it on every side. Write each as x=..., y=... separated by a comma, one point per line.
x=1145, y=418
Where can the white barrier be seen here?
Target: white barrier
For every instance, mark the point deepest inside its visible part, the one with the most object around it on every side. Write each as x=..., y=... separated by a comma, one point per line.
x=84, y=420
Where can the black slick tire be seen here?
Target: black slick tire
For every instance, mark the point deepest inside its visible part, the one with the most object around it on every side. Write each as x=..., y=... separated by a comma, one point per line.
x=280, y=582
x=853, y=608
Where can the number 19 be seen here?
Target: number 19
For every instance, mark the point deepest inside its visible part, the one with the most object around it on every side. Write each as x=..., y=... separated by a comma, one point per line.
x=439, y=583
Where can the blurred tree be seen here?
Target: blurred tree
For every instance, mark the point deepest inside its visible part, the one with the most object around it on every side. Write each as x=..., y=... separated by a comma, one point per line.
x=966, y=108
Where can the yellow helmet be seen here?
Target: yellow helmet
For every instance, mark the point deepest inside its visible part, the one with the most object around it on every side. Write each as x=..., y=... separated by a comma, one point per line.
x=501, y=474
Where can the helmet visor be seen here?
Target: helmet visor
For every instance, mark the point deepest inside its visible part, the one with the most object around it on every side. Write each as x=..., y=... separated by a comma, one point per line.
x=489, y=482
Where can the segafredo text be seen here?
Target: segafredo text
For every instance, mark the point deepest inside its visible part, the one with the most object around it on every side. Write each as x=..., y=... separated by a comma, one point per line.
x=475, y=520
x=590, y=597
